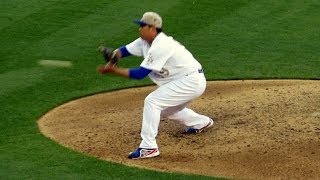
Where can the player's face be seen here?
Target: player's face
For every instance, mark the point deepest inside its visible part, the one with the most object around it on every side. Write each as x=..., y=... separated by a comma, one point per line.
x=146, y=32
x=144, y=29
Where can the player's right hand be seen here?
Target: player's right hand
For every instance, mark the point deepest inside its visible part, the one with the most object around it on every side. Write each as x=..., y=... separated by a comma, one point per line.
x=105, y=68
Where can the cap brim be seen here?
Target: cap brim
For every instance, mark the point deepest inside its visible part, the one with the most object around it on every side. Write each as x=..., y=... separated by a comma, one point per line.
x=139, y=22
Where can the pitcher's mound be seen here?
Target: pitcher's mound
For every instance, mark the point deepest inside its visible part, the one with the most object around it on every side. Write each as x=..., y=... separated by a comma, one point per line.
x=263, y=129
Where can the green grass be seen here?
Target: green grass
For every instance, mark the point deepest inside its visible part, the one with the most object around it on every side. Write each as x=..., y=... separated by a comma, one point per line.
x=233, y=39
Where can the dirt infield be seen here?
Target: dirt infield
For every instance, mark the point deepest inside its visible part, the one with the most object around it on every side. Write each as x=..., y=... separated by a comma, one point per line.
x=263, y=130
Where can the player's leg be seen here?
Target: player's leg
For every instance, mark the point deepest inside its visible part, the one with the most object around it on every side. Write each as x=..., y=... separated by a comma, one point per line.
x=172, y=110
x=187, y=116
x=190, y=118
x=173, y=94
x=149, y=130
x=150, y=121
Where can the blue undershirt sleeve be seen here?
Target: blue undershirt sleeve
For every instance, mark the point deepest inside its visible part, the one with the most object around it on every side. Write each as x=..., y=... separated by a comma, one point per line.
x=124, y=51
x=138, y=73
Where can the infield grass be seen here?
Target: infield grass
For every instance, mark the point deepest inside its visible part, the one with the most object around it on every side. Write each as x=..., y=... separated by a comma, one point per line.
x=233, y=39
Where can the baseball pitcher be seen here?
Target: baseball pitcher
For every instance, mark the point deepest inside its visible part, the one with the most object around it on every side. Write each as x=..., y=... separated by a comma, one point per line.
x=179, y=76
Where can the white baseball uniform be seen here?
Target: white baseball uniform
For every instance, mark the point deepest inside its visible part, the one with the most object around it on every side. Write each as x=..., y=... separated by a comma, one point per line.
x=180, y=79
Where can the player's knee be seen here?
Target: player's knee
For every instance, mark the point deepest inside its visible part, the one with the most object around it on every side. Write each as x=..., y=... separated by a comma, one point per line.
x=150, y=100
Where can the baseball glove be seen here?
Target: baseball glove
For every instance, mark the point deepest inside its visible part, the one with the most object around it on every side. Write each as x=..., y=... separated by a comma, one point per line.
x=108, y=54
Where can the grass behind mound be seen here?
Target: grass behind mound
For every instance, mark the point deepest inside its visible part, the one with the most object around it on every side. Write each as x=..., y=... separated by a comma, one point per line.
x=239, y=39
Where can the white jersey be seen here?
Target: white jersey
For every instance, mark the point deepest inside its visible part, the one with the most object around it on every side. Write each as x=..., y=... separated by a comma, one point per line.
x=167, y=58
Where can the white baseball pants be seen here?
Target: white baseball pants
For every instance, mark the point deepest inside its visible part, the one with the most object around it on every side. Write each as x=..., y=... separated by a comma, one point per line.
x=170, y=100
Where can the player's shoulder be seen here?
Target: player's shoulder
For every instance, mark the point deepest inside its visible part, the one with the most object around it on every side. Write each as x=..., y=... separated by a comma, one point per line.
x=138, y=43
x=163, y=37
x=164, y=41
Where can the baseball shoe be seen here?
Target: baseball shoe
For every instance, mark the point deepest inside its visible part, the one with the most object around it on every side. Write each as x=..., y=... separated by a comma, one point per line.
x=192, y=130
x=144, y=153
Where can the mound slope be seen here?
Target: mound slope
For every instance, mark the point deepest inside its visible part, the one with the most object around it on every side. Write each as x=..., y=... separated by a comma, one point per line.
x=263, y=129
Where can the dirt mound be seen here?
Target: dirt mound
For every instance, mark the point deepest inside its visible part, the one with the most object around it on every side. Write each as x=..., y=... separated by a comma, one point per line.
x=263, y=129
